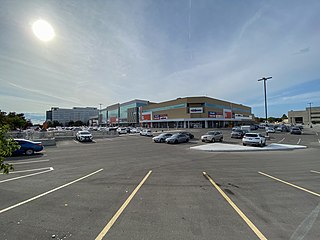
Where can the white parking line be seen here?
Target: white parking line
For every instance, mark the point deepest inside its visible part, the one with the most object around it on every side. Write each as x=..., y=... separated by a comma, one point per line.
x=29, y=170
x=76, y=141
x=17, y=163
x=48, y=192
x=282, y=140
x=299, y=141
x=290, y=184
x=317, y=133
x=319, y=140
x=315, y=171
x=29, y=175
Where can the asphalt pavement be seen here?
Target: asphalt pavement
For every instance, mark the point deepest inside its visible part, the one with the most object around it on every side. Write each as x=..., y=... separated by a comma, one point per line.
x=131, y=188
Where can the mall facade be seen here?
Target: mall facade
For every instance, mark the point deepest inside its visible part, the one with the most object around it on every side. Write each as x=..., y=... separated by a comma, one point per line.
x=187, y=112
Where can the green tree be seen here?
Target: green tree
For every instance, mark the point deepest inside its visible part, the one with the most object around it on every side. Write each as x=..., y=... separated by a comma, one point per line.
x=7, y=147
x=13, y=120
x=284, y=117
x=78, y=123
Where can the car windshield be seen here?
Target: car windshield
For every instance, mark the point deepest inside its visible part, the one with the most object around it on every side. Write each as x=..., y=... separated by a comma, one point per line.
x=251, y=135
x=211, y=133
x=85, y=132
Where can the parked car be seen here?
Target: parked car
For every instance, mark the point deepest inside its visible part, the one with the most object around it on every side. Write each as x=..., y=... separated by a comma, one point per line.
x=296, y=130
x=254, y=139
x=270, y=130
x=122, y=130
x=178, y=138
x=84, y=136
x=133, y=130
x=146, y=132
x=238, y=133
x=190, y=135
x=27, y=147
x=212, y=136
x=162, y=137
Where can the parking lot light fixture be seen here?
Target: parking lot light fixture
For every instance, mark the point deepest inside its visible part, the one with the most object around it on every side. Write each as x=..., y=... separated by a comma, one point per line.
x=264, y=79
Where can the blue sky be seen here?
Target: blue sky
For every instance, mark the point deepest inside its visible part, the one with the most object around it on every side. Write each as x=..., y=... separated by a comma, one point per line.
x=114, y=51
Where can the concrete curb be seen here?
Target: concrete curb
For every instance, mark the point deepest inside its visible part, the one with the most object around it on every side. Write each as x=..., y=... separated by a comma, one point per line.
x=222, y=147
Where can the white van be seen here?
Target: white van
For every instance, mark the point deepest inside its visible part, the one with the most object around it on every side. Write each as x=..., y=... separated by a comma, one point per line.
x=246, y=128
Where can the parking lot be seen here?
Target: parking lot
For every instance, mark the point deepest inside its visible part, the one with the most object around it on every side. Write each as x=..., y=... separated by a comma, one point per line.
x=128, y=187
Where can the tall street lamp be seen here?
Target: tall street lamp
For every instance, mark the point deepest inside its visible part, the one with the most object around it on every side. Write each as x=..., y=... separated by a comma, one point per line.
x=264, y=79
x=310, y=122
x=100, y=116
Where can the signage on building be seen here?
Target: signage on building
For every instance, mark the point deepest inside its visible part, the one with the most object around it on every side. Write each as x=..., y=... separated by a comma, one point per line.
x=212, y=114
x=113, y=119
x=196, y=110
x=146, y=116
x=227, y=113
x=160, y=116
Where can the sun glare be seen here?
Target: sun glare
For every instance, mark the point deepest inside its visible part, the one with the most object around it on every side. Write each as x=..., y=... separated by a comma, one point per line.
x=43, y=30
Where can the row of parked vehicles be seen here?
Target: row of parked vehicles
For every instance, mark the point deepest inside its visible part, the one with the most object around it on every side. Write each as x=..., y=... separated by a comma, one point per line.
x=180, y=137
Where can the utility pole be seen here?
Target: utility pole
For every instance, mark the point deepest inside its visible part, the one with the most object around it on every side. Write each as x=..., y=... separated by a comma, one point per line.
x=264, y=79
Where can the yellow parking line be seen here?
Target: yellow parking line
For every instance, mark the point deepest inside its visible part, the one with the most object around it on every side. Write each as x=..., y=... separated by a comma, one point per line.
x=315, y=171
x=121, y=209
x=234, y=206
x=290, y=184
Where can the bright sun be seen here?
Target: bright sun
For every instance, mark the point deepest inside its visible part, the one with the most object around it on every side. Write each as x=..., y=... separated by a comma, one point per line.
x=43, y=30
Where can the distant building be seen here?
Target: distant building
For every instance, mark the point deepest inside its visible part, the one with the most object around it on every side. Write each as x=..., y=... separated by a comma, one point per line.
x=122, y=114
x=310, y=115
x=64, y=115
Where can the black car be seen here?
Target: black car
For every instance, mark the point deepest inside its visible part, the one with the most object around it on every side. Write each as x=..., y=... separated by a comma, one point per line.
x=190, y=135
x=296, y=130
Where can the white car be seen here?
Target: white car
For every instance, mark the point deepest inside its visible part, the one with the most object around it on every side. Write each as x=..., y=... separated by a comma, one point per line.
x=146, y=132
x=84, y=136
x=133, y=130
x=122, y=130
x=254, y=139
x=270, y=130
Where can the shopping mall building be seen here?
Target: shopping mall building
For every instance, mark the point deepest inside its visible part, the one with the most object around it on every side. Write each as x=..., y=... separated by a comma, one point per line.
x=187, y=112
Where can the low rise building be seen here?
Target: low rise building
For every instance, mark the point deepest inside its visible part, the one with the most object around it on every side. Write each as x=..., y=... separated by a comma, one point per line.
x=307, y=116
x=195, y=112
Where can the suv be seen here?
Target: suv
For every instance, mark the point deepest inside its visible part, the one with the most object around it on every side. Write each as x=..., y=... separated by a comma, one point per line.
x=212, y=136
x=84, y=136
x=254, y=139
x=146, y=132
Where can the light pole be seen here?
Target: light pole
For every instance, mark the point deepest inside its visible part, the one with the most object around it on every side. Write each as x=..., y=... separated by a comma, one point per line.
x=99, y=118
x=264, y=79
x=310, y=103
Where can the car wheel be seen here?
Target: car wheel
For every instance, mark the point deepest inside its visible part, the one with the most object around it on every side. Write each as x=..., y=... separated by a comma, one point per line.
x=221, y=139
x=176, y=141
x=213, y=140
x=244, y=144
x=162, y=140
x=29, y=152
x=187, y=140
